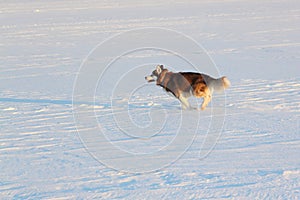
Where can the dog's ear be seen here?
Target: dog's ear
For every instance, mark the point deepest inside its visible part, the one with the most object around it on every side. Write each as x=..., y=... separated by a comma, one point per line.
x=159, y=68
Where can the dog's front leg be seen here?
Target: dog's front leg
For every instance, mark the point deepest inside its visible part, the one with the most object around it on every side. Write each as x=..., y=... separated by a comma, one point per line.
x=184, y=102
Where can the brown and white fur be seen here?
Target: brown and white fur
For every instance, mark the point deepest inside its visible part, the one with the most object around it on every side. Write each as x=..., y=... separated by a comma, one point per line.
x=185, y=84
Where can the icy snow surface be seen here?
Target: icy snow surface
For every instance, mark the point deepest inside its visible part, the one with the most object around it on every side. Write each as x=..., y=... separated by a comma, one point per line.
x=254, y=43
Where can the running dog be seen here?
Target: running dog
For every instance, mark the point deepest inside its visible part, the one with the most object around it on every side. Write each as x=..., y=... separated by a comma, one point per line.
x=185, y=84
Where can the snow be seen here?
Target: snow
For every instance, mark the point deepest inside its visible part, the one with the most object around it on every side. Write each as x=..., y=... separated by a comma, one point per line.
x=244, y=146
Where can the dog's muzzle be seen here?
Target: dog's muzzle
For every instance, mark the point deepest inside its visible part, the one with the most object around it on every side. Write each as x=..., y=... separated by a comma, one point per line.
x=149, y=78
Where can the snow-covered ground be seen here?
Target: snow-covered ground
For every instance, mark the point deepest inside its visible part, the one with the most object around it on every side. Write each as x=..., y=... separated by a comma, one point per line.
x=255, y=156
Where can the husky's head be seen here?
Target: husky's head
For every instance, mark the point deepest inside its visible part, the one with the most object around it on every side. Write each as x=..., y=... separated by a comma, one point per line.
x=155, y=74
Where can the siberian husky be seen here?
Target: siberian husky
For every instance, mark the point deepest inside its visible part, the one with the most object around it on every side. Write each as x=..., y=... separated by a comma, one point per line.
x=185, y=84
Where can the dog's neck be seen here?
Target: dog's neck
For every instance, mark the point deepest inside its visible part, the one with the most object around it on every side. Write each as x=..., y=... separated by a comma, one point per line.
x=161, y=77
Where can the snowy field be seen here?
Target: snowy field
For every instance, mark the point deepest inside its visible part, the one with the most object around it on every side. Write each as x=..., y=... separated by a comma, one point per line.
x=247, y=147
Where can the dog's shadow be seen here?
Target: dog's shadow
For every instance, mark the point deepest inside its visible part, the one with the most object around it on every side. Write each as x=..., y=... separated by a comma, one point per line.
x=174, y=106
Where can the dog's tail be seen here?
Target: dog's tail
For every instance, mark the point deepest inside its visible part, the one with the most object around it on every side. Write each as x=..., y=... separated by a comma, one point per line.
x=220, y=84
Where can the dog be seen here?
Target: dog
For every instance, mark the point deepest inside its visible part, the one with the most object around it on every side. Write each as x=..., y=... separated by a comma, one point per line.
x=185, y=84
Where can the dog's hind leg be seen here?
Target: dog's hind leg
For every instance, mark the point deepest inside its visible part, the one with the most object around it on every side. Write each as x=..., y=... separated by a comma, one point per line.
x=206, y=100
x=201, y=90
x=184, y=102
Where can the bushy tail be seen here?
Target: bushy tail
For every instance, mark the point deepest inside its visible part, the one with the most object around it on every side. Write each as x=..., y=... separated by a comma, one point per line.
x=220, y=84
